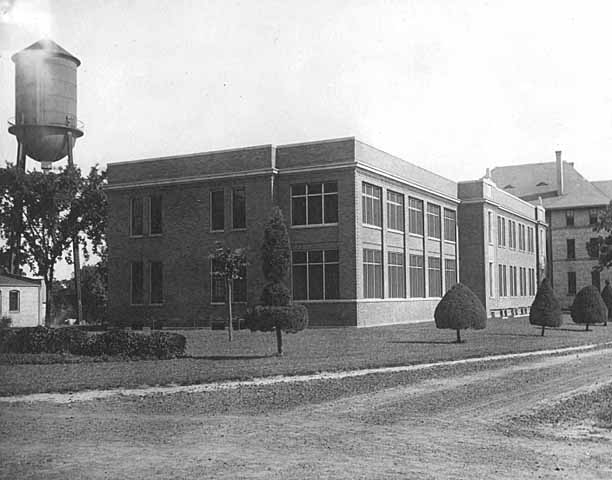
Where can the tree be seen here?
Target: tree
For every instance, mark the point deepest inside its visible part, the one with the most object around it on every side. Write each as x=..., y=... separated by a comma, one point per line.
x=277, y=311
x=54, y=209
x=606, y=295
x=545, y=310
x=229, y=265
x=588, y=307
x=460, y=309
x=600, y=247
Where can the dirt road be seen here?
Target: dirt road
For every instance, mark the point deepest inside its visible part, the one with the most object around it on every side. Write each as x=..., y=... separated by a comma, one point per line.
x=456, y=423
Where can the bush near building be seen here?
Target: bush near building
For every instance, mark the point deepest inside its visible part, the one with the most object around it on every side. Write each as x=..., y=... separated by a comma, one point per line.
x=606, y=295
x=588, y=307
x=460, y=309
x=545, y=310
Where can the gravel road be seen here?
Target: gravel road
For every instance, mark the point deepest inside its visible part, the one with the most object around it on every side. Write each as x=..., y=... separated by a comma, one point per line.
x=449, y=423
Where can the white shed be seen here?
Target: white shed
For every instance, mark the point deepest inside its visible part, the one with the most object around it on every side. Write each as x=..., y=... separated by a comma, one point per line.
x=22, y=299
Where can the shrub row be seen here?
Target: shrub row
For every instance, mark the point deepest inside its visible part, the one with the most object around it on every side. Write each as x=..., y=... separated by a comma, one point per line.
x=72, y=340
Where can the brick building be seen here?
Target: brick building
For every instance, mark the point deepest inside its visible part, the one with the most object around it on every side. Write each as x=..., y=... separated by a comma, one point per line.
x=503, y=247
x=572, y=205
x=374, y=238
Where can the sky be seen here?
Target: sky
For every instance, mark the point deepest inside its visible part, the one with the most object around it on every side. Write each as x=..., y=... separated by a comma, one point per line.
x=454, y=87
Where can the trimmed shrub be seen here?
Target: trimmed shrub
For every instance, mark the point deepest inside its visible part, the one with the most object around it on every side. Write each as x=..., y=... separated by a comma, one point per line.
x=588, y=307
x=288, y=319
x=460, y=309
x=7, y=340
x=6, y=321
x=545, y=310
x=606, y=295
x=275, y=294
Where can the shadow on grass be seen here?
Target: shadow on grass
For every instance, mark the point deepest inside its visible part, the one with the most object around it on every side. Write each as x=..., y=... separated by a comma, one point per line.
x=229, y=357
x=426, y=342
x=516, y=334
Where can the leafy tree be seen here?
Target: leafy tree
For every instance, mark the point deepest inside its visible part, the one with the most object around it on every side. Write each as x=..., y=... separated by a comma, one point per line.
x=460, y=309
x=606, y=295
x=545, y=310
x=49, y=210
x=277, y=312
x=600, y=247
x=588, y=307
x=230, y=264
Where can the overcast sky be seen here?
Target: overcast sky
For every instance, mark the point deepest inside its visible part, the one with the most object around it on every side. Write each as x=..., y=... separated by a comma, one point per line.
x=455, y=87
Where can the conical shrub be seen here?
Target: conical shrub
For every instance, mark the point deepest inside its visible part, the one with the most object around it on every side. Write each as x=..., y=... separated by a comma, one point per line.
x=460, y=309
x=545, y=310
x=588, y=307
x=606, y=295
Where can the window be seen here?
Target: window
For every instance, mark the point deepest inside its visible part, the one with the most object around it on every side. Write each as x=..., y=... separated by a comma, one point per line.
x=217, y=284
x=157, y=283
x=137, y=217
x=450, y=225
x=417, y=276
x=571, y=248
x=522, y=281
x=315, y=275
x=395, y=211
x=521, y=238
x=490, y=226
x=491, y=281
x=500, y=281
x=514, y=281
x=397, y=275
x=501, y=231
x=450, y=273
x=505, y=281
x=571, y=283
x=569, y=218
x=530, y=238
x=511, y=272
x=593, y=247
x=434, y=268
x=314, y=203
x=512, y=234
x=372, y=274
x=14, y=300
x=415, y=216
x=217, y=210
x=238, y=209
x=531, y=281
x=137, y=283
x=371, y=204
x=433, y=220
x=593, y=217
x=239, y=286
x=596, y=279
x=155, y=214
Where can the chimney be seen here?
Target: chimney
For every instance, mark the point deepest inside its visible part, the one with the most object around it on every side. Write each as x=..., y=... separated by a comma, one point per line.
x=488, y=173
x=560, y=181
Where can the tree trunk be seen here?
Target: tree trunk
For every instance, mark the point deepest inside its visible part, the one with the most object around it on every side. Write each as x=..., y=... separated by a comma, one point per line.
x=279, y=341
x=587, y=327
x=458, y=336
x=228, y=289
x=49, y=298
x=543, y=328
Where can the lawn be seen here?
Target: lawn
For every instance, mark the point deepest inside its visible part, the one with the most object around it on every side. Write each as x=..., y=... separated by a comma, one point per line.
x=212, y=358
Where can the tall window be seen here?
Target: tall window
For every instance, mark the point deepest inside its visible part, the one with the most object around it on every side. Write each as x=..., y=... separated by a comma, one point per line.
x=157, y=283
x=434, y=268
x=14, y=301
x=593, y=217
x=433, y=220
x=512, y=277
x=530, y=238
x=314, y=203
x=397, y=275
x=372, y=273
x=500, y=281
x=491, y=281
x=531, y=281
x=417, y=276
x=450, y=273
x=569, y=218
x=450, y=225
x=217, y=284
x=521, y=240
x=512, y=234
x=155, y=214
x=238, y=209
x=505, y=281
x=137, y=283
x=315, y=275
x=571, y=283
x=371, y=204
x=137, y=217
x=490, y=226
x=217, y=210
x=395, y=211
x=415, y=216
x=515, y=280
x=571, y=248
x=596, y=279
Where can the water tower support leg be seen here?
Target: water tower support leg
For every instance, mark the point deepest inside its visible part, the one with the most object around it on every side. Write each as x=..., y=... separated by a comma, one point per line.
x=75, y=249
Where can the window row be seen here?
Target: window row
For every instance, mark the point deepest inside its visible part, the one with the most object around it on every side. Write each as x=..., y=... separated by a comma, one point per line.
x=572, y=284
x=519, y=236
x=396, y=275
x=593, y=217
x=371, y=208
x=513, y=281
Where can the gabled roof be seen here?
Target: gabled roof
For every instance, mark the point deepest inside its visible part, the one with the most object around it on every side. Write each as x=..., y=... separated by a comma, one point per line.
x=534, y=180
x=10, y=280
x=605, y=186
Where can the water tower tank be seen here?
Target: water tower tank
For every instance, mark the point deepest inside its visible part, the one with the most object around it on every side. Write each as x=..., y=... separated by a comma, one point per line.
x=45, y=120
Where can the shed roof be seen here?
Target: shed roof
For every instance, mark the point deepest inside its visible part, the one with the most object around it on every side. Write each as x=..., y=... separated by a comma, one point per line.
x=10, y=280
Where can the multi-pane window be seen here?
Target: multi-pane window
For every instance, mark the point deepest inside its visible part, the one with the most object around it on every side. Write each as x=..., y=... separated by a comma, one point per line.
x=417, y=276
x=450, y=225
x=450, y=273
x=155, y=214
x=238, y=208
x=395, y=211
x=490, y=226
x=157, y=283
x=491, y=281
x=397, y=275
x=314, y=203
x=433, y=220
x=569, y=217
x=137, y=283
x=593, y=217
x=372, y=273
x=434, y=269
x=571, y=283
x=14, y=301
x=137, y=217
x=571, y=248
x=501, y=231
x=415, y=216
x=371, y=204
x=217, y=284
x=217, y=210
x=315, y=275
